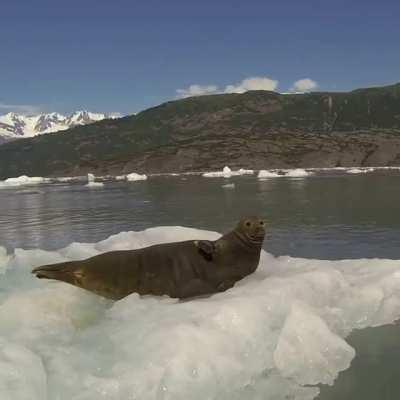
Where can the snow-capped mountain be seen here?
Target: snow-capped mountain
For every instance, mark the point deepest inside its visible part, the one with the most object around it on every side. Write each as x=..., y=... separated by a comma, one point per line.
x=16, y=126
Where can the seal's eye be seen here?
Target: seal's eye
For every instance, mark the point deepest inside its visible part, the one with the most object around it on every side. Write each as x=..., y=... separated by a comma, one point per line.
x=248, y=223
x=262, y=223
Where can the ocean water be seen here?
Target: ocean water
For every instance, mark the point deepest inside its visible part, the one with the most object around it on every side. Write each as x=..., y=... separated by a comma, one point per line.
x=314, y=317
x=318, y=217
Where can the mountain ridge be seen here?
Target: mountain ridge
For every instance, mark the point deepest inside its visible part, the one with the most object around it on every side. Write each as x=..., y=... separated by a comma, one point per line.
x=256, y=129
x=16, y=126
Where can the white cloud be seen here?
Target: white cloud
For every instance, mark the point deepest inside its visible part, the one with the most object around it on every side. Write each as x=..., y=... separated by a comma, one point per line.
x=19, y=108
x=304, y=85
x=197, y=90
x=254, y=83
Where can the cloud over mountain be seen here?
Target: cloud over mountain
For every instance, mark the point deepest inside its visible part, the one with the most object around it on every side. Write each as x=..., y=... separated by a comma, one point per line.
x=197, y=90
x=304, y=85
x=252, y=83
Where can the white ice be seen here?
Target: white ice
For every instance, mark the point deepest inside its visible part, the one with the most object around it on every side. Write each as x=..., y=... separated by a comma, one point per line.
x=274, y=333
x=22, y=181
x=284, y=173
x=268, y=174
x=92, y=182
x=228, y=173
x=359, y=170
x=132, y=177
x=135, y=177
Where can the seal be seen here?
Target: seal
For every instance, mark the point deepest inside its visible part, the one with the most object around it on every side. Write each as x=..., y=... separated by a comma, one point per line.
x=179, y=269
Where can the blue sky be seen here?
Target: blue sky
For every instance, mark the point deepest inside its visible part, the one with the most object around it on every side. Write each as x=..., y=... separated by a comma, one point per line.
x=124, y=56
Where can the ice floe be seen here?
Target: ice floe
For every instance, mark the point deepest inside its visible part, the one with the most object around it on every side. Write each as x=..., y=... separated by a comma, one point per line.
x=23, y=181
x=284, y=173
x=276, y=332
x=135, y=177
x=360, y=170
x=227, y=173
x=92, y=182
x=131, y=177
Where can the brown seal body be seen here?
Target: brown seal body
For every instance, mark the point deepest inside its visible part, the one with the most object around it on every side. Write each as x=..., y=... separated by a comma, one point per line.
x=179, y=269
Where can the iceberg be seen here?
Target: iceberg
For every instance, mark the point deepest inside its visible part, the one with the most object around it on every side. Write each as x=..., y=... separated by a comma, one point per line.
x=273, y=335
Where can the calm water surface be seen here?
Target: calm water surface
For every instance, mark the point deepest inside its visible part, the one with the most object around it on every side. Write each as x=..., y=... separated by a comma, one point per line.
x=327, y=218
x=318, y=217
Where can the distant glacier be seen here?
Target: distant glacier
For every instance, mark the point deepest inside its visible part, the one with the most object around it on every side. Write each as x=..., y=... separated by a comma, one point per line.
x=18, y=126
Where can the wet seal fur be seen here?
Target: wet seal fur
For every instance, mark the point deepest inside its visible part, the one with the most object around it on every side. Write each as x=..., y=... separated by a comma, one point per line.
x=180, y=269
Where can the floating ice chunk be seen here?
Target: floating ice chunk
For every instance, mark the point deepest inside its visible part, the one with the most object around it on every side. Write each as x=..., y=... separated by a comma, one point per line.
x=131, y=177
x=92, y=182
x=67, y=178
x=268, y=174
x=229, y=186
x=275, y=332
x=297, y=173
x=359, y=170
x=284, y=173
x=95, y=184
x=135, y=177
x=23, y=180
x=227, y=173
x=91, y=177
x=242, y=171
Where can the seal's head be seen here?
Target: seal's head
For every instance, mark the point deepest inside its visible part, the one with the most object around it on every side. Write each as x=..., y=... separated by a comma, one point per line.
x=252, y=229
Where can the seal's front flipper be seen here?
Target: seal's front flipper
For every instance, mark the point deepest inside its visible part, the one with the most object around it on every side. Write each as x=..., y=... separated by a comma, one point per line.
x=206, y=249
x=225, y=285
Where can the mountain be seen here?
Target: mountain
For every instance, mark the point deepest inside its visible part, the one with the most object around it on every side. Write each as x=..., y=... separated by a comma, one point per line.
x=256, y=129
x=17, y=126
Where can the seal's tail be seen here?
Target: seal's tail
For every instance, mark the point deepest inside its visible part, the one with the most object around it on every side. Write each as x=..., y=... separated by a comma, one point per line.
x=66, y=272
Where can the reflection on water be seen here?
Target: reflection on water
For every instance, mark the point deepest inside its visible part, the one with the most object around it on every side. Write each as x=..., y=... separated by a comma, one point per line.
x=327, y=218
x=374, y=373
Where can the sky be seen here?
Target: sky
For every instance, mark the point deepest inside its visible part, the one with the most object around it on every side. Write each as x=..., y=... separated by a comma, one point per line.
x=125, y=56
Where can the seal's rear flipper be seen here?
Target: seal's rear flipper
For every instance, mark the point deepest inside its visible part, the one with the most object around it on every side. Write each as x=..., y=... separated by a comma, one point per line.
x=66, y=272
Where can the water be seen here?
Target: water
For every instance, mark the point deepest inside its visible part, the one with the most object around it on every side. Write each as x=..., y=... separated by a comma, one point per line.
x=325, y=218
x=336, y=217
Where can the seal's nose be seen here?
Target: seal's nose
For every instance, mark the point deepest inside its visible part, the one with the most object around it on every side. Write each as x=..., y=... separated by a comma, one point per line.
x=260, y=228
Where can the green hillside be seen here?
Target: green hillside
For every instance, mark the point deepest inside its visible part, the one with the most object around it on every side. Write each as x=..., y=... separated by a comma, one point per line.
x=211, y=131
